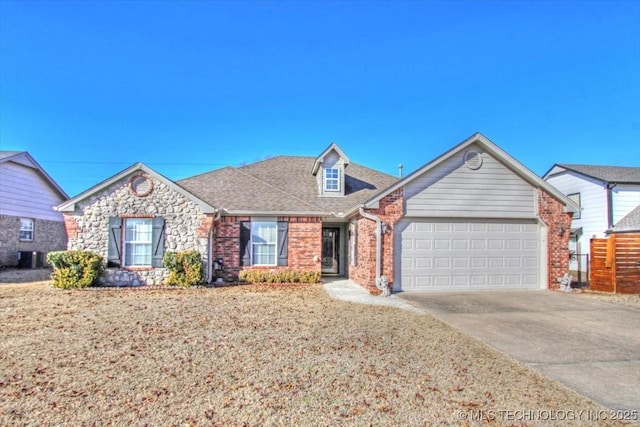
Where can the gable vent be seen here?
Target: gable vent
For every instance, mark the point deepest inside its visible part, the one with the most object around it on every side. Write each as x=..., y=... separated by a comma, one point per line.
x=141, y=185
x=473, y=159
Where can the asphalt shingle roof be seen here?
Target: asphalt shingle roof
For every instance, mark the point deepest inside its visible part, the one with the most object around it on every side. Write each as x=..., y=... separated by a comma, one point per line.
x=630, y=222
x=617, y=174
x=283, y=184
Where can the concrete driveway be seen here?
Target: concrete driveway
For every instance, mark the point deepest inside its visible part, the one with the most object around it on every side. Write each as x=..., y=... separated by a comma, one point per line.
x=590, y=346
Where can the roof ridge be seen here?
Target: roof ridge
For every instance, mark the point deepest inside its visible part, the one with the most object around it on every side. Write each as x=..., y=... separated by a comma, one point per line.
x=596, y=166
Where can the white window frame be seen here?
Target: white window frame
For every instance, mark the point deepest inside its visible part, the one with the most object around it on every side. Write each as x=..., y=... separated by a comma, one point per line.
x=130, y=244
x=27, y=228
x=264, y=242
x=576, y=198
x=331, y=179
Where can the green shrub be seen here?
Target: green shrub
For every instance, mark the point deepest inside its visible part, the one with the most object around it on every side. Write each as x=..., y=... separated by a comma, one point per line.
x=185, y=268
x=279, y=276
x=74, y=269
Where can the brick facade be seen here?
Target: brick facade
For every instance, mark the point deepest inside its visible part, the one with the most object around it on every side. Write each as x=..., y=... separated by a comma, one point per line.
x=558, y=223
x=48, y=236
x=363, y=271
x=304, y=249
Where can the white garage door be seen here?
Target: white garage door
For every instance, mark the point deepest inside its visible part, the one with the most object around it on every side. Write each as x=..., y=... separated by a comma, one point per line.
x=466, y=255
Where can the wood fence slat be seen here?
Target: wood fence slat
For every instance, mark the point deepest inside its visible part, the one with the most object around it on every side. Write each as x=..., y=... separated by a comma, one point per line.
x=614, y=263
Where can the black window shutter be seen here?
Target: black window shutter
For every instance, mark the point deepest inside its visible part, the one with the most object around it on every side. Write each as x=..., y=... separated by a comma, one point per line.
x=283, y=243
x=245, y=238
x=157, y=241
x=114, y=252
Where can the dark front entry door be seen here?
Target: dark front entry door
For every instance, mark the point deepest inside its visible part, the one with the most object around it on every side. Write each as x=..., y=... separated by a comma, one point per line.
x=330, y=250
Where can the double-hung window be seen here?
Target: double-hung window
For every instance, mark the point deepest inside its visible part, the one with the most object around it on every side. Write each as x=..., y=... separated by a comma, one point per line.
x=264, y=241
x=332, y=179
x=26, y=229
x=264, y=237
x=137, y=242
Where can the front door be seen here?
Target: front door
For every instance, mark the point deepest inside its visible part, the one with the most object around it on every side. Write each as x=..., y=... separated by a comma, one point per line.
x=330, y=250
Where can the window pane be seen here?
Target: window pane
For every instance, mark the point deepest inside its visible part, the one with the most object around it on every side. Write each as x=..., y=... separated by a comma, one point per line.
x=137, y=245
x=264, y=254
x=331, y=179
x=263, y=242
x=26, y=229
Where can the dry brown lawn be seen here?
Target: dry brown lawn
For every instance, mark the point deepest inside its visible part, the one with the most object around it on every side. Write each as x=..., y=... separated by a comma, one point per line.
x=250, y=355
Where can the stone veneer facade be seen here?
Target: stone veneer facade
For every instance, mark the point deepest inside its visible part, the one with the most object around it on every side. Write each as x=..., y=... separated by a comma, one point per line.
x=186, y=226
x=48, y=236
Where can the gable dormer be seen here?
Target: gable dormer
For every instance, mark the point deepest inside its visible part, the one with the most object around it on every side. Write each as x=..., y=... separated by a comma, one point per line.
x=329, y=170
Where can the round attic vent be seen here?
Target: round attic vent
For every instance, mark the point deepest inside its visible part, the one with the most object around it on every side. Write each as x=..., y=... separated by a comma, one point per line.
x=141, y=185
x=473, y=159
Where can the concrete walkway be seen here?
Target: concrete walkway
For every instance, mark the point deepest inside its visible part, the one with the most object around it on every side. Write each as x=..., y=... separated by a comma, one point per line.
x=346, y=290
x=590, y=346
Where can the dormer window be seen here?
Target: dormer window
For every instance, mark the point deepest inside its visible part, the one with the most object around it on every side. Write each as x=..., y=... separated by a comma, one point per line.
x=329, y=170
x=332, y=179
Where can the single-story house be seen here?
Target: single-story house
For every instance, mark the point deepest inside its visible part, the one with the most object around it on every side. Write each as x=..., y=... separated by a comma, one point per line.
x=29, y=227
x=473, y=218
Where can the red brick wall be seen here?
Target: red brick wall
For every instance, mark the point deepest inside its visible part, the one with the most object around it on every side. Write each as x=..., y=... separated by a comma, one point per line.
x=305, y=244
x=364, y=273
x=558, y=224
x=70, y=223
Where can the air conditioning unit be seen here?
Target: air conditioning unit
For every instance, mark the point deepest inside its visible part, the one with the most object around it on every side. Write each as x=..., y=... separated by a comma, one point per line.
x=28, y=259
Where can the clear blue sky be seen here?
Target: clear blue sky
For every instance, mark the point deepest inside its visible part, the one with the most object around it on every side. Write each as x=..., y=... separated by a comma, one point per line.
x=91, y=87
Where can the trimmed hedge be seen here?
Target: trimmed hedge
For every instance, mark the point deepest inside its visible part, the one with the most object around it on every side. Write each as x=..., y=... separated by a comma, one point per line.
x=74, y=269
x=185, y=268
x=284, y=276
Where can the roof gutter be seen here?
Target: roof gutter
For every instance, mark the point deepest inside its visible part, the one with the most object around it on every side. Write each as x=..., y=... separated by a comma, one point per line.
x=381, y=281
x=610, y=187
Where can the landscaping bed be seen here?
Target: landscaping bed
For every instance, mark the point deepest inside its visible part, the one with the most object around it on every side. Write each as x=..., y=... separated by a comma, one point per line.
x=251, y=355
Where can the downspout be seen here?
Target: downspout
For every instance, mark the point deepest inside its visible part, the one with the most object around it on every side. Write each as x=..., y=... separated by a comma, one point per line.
x=210, y=248
x=610, y=187
x=381, y=281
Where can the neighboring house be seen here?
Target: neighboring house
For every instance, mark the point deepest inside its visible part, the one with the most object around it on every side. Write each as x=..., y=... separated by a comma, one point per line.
x=630, y=223
x=474, y=218
x=605, y=195
x=29, y=227
x=615, y=261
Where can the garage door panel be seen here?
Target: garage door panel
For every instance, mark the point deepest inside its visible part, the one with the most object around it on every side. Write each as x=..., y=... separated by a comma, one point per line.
x=512, y=262
x=479, y=245
x=478, y=262
x=442, y=227
x=468, y=254
x=496, y=245
x=460, y=263
x=513, y=244
x=422, y=263
x=496, y=262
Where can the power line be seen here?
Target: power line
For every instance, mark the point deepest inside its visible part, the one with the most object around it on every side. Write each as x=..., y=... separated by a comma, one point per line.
x=80, y=162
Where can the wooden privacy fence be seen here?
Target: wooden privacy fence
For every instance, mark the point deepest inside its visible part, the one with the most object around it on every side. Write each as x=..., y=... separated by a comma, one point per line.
x=615, y=264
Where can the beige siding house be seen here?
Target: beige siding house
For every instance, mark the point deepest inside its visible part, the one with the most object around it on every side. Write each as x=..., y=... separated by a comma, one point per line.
x=29, y=226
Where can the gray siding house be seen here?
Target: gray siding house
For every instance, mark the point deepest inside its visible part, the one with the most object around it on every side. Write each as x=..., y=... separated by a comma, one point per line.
x=29, y=227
